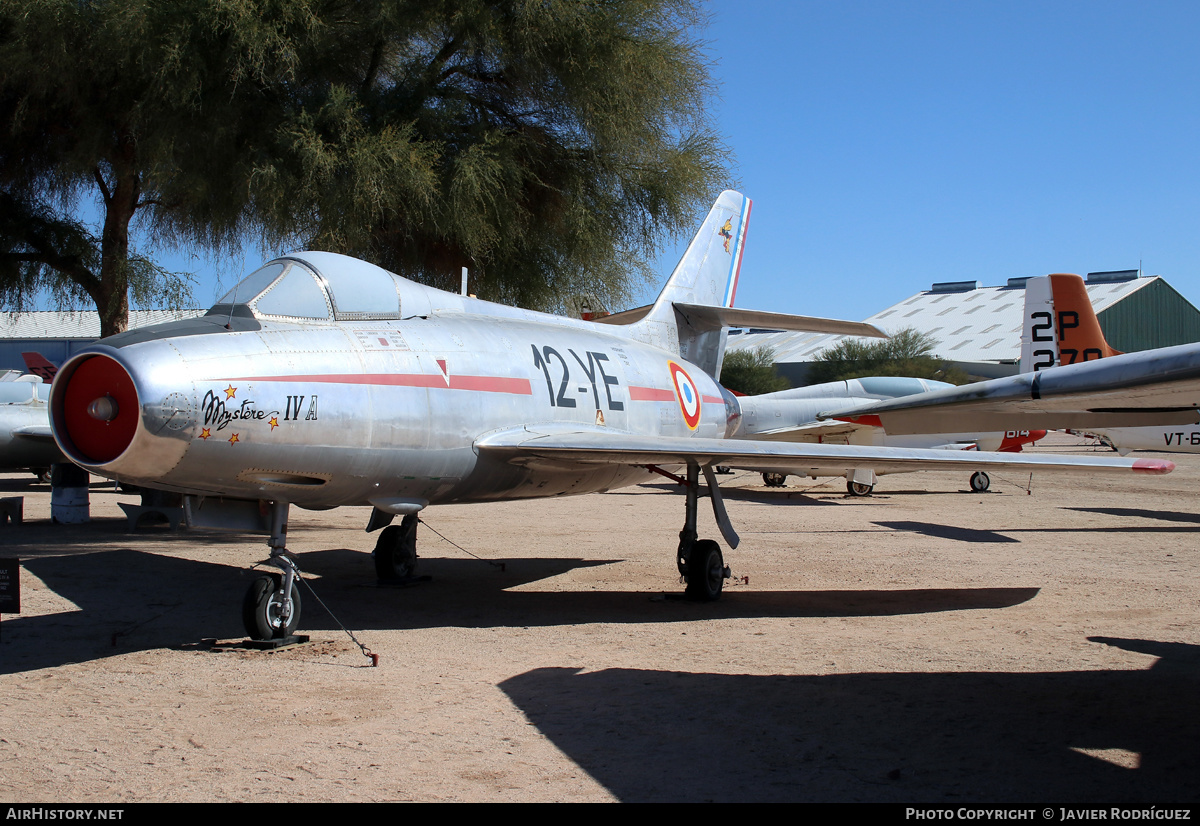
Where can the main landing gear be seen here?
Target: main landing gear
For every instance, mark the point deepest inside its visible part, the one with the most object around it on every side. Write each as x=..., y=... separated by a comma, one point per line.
x=396, y=551
x=271, y=608
x=699, y=560
x=859, y=488
x=980, y=481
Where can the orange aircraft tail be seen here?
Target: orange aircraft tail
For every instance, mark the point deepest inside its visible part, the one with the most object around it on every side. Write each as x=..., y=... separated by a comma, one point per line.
x=1060, y=326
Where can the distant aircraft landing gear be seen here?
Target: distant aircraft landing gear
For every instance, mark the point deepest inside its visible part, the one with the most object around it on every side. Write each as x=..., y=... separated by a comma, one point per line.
x=980, y=481
x=699, y=560
x=396, y=551
x=774, y=480
x=859, y=488
x=271, y=608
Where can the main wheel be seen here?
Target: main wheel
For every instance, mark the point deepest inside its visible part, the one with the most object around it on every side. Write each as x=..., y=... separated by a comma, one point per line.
x=395, y=554
x=859, y=488
x=706, y=571
x=262, y=609
x=774, y=480
x=980, y=481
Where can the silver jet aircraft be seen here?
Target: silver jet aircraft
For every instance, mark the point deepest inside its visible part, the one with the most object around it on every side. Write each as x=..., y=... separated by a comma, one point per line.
x=26, y=442
x=321, y=381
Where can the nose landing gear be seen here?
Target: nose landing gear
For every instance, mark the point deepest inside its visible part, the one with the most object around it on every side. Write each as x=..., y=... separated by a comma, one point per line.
x=271, y=607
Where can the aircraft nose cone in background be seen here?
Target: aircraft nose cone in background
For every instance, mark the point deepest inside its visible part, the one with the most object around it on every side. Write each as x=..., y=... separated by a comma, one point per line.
x=113, y=413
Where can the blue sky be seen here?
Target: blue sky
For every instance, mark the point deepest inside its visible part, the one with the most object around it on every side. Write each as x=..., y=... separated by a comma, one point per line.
x=888, y=145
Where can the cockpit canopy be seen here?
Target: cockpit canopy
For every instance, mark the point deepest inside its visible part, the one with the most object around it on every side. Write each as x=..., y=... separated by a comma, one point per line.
x=316, y=286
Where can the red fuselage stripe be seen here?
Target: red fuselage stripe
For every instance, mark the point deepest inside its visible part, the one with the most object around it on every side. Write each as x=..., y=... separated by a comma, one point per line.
x=650, y=394
x=486, y=384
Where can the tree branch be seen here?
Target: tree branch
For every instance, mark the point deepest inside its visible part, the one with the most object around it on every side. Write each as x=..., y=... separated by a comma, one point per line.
x=104, y=191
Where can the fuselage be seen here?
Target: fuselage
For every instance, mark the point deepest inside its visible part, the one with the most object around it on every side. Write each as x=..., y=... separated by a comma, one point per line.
x=344, y=411
x=785, y=414
x=1167, y=439
x=24, y=419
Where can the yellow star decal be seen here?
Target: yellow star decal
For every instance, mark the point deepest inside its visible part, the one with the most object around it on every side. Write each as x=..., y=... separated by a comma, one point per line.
x=205, y=433
x=234, y=439
x=230, y=391
x=273, y=422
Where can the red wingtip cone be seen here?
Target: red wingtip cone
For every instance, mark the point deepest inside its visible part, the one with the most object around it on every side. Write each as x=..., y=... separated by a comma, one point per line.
x=1153, y=466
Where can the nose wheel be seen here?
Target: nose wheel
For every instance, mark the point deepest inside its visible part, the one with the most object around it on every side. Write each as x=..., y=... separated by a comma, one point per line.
x=271, y=607
x=268, y=613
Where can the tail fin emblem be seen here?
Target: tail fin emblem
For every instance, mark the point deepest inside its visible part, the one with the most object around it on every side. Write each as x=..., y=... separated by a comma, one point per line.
x=726, y=232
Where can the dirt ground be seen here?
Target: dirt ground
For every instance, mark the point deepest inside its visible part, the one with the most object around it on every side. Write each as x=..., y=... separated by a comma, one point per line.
x=925, y=644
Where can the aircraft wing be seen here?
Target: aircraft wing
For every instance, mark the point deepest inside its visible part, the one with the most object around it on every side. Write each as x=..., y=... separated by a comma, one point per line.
x=551, y=446
x=1152, y=387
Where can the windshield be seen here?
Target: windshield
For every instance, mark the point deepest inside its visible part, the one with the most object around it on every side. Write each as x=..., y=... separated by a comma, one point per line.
x=283, y=289
x=252, y=285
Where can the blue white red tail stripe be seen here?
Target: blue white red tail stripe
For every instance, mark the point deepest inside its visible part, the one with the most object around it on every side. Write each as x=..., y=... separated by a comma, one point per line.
x=735, y=265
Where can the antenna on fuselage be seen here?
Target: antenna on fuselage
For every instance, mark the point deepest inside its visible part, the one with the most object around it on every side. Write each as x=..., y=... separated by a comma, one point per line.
x=464, y=281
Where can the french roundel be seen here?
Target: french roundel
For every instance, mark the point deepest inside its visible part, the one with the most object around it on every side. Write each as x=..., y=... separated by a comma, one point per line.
x=687, y=394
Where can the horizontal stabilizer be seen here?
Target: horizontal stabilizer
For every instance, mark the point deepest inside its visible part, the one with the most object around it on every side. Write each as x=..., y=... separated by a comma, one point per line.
x=705, y=316
x=701, y=315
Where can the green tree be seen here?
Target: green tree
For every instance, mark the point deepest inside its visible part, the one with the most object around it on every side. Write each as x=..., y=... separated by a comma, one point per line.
x=549, y=145
x=906, y=352
x=752, y=372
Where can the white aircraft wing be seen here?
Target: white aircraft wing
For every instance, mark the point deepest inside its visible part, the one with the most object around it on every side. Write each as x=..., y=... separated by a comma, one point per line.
x=571, y=446
x=1153, y=387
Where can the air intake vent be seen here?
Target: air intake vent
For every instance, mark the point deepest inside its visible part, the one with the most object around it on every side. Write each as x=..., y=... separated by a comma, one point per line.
x=955, y=286
x=1111, y=276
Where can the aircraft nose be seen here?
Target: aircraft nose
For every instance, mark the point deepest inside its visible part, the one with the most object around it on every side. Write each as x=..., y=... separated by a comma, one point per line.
x=122, y=413
x=95, y=410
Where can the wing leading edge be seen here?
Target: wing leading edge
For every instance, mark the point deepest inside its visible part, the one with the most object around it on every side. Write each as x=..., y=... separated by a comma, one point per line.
x=567, y=447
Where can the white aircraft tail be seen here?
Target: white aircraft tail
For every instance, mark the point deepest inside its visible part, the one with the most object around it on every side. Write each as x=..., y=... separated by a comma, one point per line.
x=1060, y=326
x=695, y=308
x=707, y=276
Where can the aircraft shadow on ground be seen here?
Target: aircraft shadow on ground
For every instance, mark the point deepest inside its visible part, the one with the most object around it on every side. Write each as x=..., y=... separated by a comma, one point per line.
x=933, y=529
x=1170, y=516
x=1091, y=737
x=130, y=600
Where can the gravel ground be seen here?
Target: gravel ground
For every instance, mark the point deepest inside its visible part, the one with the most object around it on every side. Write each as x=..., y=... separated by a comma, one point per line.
x=925, y=644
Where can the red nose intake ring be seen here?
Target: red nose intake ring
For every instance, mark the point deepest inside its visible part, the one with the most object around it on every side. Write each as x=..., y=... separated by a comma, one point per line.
x=99, y=410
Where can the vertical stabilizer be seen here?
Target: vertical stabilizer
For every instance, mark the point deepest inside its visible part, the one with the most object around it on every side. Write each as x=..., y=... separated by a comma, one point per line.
x=1060, y=326
x=706, y=275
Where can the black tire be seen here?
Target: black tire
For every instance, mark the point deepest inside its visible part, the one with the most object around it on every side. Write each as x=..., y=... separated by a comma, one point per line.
x=859, y=488
x=706, y=572
x=261, y=609
x=980, y=481
x=395, y=558
x=774, y=480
